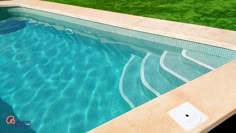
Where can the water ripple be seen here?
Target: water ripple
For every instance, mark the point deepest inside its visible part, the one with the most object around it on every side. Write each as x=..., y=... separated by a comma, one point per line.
x=60, y=82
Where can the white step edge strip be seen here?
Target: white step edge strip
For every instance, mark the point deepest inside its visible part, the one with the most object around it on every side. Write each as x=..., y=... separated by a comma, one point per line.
x=121, y=83
x=184, y=54
x=144, y=81
x=169, y=70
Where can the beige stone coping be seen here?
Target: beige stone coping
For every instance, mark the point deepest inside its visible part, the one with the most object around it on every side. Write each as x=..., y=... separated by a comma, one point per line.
x=214, y=94
x=8, y=3
x=202, y=34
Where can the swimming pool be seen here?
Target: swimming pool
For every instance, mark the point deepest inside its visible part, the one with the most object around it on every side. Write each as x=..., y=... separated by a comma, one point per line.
x=70, y=75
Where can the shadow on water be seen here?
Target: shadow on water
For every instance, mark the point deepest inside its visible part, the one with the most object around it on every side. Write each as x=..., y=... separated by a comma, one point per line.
x=4, y=13
x=5, y=111
x=7, y=24
x=11, y=25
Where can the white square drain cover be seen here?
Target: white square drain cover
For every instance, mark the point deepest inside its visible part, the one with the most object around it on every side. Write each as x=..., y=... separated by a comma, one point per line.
x=187, y=116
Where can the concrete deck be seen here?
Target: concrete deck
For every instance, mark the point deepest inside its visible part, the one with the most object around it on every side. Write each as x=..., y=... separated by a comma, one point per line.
x=214, y=93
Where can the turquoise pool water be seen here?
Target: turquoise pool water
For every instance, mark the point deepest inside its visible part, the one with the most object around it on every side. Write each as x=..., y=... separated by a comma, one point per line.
x=69, y=77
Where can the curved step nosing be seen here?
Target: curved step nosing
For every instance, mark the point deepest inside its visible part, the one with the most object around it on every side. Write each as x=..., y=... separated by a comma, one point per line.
x=169, y=70
x=121, y=83
x=144, y=81
x=184, y=54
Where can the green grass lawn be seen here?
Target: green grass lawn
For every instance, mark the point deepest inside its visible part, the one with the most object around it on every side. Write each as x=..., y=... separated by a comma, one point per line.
x=214, y=13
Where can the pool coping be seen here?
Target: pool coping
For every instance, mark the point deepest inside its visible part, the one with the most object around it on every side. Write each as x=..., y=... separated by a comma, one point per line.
x=187, y=92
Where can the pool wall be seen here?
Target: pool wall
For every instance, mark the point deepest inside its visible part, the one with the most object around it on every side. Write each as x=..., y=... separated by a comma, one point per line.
x=136, y=38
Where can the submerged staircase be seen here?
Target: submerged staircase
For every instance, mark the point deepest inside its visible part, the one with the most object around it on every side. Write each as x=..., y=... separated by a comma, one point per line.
x=172, y=64
x=151, y=74
x=130, y=85
x=145, y=78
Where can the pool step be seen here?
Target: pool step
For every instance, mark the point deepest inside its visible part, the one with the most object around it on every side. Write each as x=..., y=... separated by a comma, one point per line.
x=131, y=87
x=210, y=62
x=195, y=63
x=177, y=71
x=150, y=74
